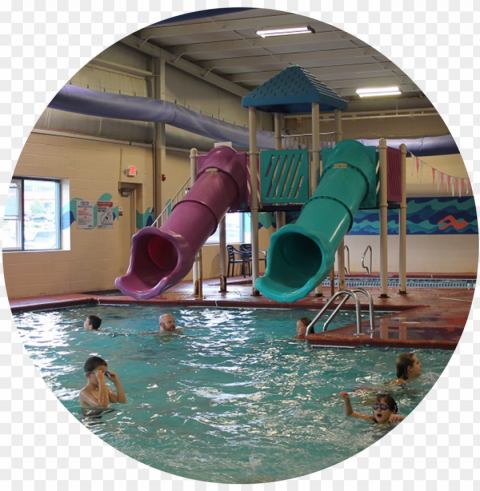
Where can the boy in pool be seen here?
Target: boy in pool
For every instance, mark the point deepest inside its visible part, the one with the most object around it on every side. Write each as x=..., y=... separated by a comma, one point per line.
x=96, y=393
x=302, y=325
x=408, y=368
x=384, y=409
x=92, y=323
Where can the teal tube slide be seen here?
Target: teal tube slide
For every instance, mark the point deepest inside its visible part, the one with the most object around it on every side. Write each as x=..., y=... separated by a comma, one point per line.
x=301, y=255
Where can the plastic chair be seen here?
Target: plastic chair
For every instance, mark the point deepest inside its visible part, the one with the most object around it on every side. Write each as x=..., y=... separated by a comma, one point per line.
x=232, y=260
x=247, y=248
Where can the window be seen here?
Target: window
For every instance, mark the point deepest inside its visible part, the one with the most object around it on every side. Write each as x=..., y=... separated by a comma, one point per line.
x=32, y=215
x=238, y=229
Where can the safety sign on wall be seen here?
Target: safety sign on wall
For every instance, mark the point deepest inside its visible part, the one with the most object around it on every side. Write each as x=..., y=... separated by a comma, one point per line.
x=85, y=214
x=104, y=214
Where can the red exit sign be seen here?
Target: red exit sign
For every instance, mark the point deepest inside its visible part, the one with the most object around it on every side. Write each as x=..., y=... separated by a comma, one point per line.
x=131, y=171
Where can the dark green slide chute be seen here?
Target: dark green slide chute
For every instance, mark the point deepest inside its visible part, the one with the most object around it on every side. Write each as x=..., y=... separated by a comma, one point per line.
x=301, y=255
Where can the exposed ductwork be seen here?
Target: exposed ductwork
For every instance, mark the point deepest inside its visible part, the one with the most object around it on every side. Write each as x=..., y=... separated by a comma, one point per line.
x=103, y=104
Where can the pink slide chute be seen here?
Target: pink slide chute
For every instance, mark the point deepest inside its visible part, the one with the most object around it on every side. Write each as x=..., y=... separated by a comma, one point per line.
x=161, y=257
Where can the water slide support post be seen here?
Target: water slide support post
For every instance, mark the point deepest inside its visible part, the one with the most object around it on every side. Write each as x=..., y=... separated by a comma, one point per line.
x=279, y=215
x=159, y=150
x=341, y=249
x=197, y=265
x=316, y=165
x=403, y=225
x=253, y=154
x=383, y=220
x=222, y=229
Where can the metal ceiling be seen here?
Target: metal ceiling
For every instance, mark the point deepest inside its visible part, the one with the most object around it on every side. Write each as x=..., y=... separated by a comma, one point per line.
x=225, y=49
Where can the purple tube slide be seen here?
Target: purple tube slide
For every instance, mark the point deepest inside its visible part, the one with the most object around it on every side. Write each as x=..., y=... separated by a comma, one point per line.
x=161, y=257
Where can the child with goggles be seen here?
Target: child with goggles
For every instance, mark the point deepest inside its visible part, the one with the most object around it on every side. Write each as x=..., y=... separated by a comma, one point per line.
x=384, y=409
x=96, y=393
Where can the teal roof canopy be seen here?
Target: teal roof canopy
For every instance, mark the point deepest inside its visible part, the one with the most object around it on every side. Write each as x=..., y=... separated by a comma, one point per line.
x=292, y=91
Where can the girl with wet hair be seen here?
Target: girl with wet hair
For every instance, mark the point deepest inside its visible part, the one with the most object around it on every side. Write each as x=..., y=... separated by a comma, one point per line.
x=408, y=368
x=384, y=409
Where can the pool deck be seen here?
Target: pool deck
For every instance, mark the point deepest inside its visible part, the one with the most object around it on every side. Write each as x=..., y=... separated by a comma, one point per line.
x=423, y=318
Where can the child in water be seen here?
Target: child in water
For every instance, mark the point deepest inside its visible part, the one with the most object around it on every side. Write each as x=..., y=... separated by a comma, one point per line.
x=92, y=323
x=302, y=325
x=384, y=409
x=96, y=393
x=408, y=368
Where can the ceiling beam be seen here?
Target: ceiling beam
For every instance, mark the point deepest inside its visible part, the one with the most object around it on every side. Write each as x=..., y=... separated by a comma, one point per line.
x=327, y=73
x=332, y=37
x=184, y=65
x=317, y=56
x=283, y=20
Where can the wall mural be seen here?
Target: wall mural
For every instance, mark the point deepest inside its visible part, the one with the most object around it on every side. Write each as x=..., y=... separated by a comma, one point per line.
x=425, y=216
x=144, y=219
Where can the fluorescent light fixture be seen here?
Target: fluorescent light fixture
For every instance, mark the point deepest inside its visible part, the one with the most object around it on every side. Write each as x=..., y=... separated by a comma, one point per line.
x=285, y=31
x=378, y=91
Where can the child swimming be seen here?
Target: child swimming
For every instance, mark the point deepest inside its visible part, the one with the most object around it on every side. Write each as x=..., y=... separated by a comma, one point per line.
x=408, y=368
x=302, y=325
x=384, y=409
x=96, y=393
x=92, y=323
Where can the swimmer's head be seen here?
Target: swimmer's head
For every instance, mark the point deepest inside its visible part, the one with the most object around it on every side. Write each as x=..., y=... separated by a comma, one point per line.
x=383, y=407
x=92, y=323
x=166, y=323
x=302, y=325
x=93, y=364
x=408, y=367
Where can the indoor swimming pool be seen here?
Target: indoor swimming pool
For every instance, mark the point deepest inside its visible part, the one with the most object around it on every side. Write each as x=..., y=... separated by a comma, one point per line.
x=231, y=399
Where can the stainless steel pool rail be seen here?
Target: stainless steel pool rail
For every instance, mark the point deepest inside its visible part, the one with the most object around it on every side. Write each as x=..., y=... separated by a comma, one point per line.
x=358, y=310
x=369, y=270
x=347, y=265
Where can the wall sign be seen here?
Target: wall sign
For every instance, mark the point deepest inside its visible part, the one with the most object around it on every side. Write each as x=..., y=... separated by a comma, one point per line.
x=85, y=214
x=104, y=214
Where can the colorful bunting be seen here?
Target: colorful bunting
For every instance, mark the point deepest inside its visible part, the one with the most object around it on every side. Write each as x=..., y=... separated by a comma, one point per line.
x=455, y=185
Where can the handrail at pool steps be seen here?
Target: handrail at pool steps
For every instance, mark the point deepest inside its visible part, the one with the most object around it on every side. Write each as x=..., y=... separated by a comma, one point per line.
x=369, y=271
x=347, y=294
x=347, y=266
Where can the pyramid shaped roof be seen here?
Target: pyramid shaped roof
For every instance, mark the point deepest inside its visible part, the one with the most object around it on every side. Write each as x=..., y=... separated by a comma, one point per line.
x=292, y=91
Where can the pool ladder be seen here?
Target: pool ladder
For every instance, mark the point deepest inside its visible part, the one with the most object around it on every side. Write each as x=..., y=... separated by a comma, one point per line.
x=369, y=270
x=358, y=309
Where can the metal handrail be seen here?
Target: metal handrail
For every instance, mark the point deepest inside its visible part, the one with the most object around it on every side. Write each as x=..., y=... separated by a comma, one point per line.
x=304, y=140
x=357, y=308
x=347, y=268
x=347, y=294
x=168, y=208
x=371, y=309
x=369, y=271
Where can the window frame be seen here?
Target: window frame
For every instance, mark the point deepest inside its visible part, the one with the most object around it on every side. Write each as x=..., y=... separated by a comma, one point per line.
x=242, y=231
x=58, y=207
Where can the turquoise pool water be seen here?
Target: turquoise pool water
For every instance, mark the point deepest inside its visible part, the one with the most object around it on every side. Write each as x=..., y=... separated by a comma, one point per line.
x=234, y=399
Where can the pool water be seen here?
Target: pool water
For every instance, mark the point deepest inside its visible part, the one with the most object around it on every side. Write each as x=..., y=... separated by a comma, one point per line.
x=234, y=399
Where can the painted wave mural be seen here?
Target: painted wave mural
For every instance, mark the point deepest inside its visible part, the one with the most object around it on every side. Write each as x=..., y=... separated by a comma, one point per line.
x=425, y=216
